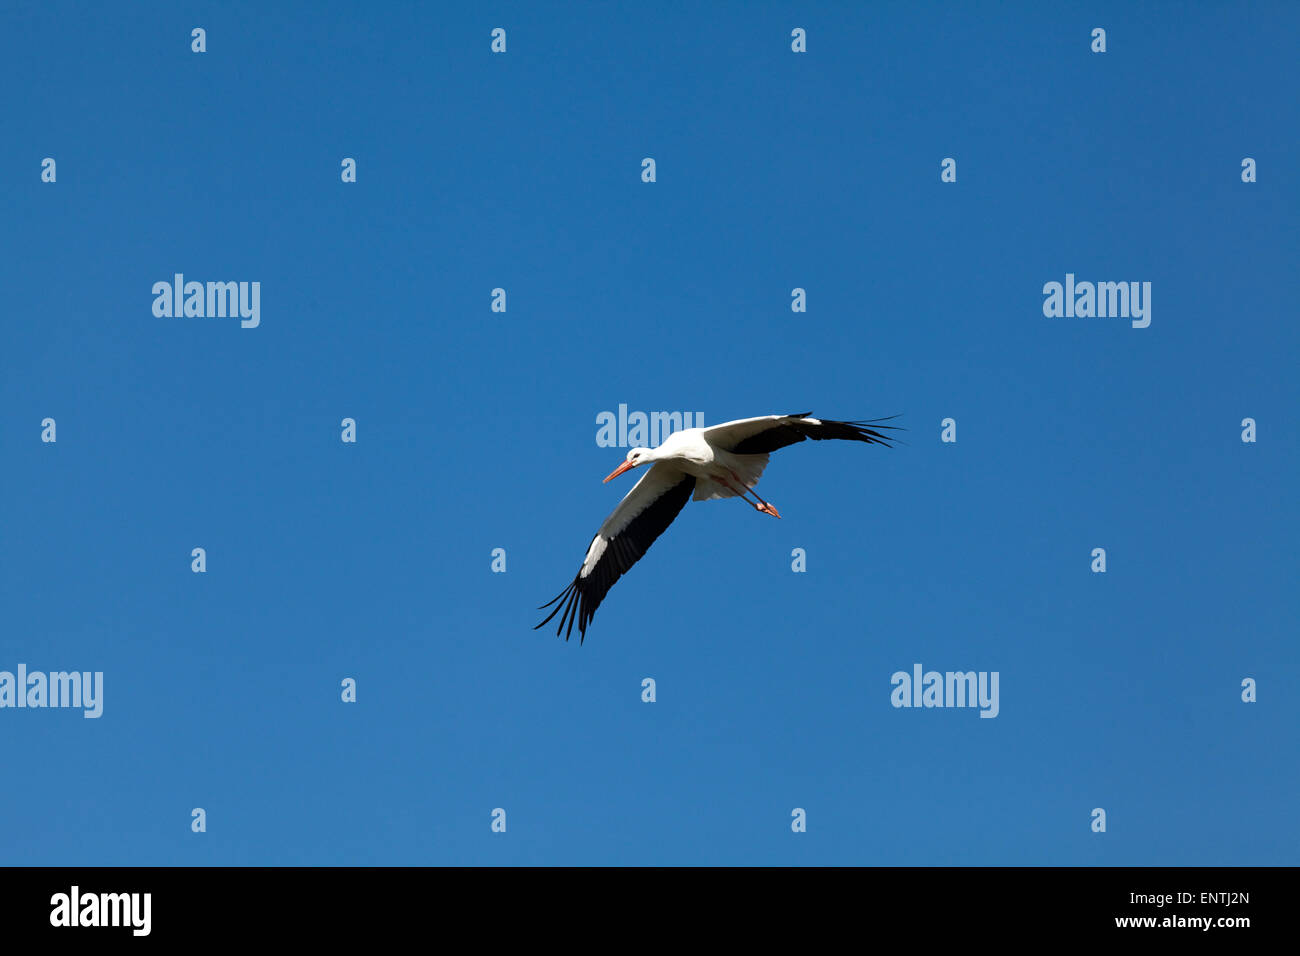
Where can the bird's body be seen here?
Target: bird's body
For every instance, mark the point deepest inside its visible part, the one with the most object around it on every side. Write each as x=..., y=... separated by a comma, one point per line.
x=724, y=461
x=691, y=453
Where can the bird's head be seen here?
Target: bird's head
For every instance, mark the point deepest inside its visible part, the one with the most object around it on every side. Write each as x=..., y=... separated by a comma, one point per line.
x=637, y=456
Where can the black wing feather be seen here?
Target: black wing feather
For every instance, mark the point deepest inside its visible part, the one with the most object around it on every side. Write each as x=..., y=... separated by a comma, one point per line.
x=791, y=432
x=581, y=598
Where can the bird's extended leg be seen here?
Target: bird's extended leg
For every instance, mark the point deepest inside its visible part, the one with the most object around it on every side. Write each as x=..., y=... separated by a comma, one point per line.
x=739, y=492
x=762, y=505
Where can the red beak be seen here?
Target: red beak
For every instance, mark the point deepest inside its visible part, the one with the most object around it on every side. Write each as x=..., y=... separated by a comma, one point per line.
x=626, y=466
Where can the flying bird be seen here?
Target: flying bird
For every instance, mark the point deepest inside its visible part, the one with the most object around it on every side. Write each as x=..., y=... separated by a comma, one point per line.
x=724, y=461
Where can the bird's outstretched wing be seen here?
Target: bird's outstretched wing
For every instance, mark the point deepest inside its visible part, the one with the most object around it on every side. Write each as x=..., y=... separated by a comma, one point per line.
x=757, y=436
x=641, y=517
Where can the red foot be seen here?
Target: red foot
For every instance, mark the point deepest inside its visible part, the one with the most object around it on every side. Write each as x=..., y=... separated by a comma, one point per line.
x=768, y=508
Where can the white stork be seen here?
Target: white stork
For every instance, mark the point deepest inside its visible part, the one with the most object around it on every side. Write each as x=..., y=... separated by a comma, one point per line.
x=724, y=461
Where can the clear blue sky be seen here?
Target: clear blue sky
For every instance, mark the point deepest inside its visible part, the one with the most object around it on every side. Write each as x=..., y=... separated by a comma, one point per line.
x=477, y=430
